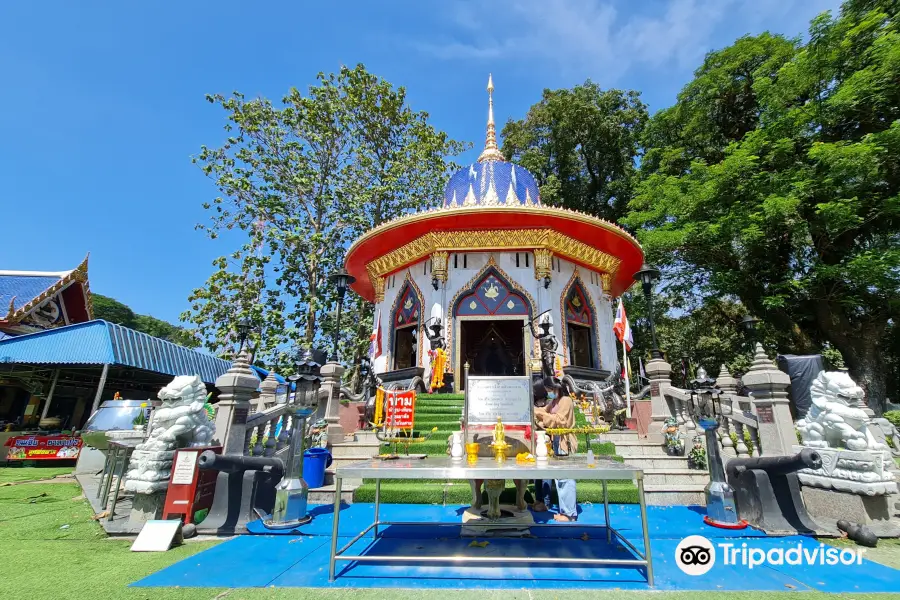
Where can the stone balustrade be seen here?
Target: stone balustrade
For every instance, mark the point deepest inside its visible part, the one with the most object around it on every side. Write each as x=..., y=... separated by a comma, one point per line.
x=755, y=425
x=268, y=431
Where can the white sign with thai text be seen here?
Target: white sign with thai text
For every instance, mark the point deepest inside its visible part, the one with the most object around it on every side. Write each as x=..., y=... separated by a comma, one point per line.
x=183, y=472
x=509, y=398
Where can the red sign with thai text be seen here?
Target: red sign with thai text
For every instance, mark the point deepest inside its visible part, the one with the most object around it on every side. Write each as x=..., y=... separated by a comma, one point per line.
x=400, y=410
x=43, y=447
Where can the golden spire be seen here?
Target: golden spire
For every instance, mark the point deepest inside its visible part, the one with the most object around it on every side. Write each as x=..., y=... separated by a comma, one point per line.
x=490, y=152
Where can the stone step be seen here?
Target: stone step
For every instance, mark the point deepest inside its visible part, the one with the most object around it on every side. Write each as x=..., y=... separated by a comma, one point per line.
x=679, y=494
x=675, y=477
x=325, y=494
x=657, y=462
x=355, y=449
x=329, y=480
x=616, y=437
x=363, y=436
x=629, y=448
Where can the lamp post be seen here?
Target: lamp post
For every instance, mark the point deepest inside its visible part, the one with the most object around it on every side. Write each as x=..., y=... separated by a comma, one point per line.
x=243, y=327
x=749, y=324
x=342, y=280
x=647, y=276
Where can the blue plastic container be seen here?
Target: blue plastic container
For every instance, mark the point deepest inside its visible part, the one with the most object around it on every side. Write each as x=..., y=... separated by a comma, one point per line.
x=315, y=461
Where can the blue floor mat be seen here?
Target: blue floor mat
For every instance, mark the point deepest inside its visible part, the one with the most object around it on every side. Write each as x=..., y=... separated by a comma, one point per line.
x=665, y=521
x=302, y=560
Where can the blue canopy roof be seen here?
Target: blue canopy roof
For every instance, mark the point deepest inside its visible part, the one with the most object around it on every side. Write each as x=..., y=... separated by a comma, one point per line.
x=99, y=342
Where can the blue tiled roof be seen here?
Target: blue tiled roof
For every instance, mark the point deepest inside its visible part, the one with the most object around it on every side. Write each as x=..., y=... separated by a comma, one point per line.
x=98, y=342
x=24, y=288
x=491, y=183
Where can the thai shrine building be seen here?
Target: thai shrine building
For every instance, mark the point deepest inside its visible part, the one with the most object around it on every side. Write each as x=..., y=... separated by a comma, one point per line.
x=483, y=266
x=57, y=363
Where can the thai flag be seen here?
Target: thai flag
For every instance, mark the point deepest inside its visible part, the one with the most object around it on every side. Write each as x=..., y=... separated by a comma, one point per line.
x=375, y=338
x=622, y=328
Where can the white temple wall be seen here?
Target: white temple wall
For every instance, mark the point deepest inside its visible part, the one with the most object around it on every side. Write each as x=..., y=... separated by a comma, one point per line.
x=463, y=267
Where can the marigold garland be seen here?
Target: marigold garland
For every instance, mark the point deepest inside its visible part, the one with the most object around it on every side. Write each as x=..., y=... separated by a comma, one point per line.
x=438, y=364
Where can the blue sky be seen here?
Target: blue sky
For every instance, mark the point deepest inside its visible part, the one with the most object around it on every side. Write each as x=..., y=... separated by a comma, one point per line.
x=102, y=103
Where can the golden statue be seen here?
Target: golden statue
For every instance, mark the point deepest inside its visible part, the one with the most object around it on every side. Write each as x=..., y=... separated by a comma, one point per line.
x=499, y=433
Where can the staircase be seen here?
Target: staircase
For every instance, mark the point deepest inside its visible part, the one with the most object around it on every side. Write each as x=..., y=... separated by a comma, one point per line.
x=667, y=479
x=357, y=447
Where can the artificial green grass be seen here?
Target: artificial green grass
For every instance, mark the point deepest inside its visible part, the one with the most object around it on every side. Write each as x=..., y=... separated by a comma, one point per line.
x=459, y=492
x=20, y=474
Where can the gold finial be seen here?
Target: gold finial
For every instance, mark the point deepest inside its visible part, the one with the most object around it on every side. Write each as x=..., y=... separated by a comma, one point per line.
x=491, y=151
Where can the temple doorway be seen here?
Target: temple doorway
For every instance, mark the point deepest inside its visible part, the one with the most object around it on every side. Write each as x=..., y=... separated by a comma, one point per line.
x=492, y=347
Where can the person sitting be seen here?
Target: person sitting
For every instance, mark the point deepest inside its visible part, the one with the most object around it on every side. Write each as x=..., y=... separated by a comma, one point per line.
x=559, y=413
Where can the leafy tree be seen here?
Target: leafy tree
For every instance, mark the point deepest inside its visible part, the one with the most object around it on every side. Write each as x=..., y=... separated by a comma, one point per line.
x=112, y=310
x=581, y=145
x=788, y=201
x=301, y=181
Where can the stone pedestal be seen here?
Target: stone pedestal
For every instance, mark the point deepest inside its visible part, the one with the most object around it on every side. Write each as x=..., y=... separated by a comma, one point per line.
x=331, y=381
x=862, y=472
x=145, y=507
x=236, y=388
x=826, y=507
x=769, y=386
x=658, y=372
x=515, y=525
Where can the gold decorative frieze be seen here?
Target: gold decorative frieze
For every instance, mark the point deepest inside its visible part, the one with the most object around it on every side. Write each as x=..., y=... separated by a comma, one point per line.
x=547, y=240
x=378, y=283
x=543, y=263
x=439, y=265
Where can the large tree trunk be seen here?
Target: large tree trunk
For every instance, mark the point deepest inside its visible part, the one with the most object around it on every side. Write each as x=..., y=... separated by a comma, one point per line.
x=865, y=362
x=861, y=348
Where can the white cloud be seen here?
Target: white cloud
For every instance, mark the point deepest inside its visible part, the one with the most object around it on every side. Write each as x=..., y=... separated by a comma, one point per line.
x=603, y=38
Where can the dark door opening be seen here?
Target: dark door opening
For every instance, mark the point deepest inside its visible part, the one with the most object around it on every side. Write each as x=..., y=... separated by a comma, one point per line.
x=405, y=347
x=581, y=347
x=491, y=348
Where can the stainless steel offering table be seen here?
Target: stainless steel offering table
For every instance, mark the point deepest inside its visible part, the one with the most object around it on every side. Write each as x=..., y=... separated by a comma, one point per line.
x=485, y=468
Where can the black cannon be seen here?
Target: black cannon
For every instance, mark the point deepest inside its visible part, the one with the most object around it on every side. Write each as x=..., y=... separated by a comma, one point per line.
x=245, y=487
x=767, y=491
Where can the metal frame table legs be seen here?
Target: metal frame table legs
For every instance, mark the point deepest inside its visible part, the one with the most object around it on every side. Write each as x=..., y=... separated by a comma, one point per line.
x=103, y=474
x=606, y=514
x=642, y=558
x=646, y=530
x=119, y=474
x=335, y=525
x=377, y=503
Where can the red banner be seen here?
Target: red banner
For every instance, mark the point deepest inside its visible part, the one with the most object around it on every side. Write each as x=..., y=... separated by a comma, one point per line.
x=43, y=447
x=401, y=410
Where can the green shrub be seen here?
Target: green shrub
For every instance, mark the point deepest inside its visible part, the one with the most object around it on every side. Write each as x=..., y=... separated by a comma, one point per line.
x=748, y=441
x=894, y=417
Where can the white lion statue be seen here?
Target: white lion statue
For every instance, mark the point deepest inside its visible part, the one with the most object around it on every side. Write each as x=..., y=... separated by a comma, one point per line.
x=180, y=422
x=834, y=420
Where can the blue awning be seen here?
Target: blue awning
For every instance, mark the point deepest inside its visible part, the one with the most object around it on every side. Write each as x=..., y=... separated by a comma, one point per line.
x=99, y=342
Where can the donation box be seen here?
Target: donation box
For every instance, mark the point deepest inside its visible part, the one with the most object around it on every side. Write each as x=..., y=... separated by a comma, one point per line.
x=191, y=491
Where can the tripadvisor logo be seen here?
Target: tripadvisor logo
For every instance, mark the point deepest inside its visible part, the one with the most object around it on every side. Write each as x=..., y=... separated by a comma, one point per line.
x=696, y=555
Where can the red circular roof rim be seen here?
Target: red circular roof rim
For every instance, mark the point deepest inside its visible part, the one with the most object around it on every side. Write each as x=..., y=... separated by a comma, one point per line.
x=584, y=228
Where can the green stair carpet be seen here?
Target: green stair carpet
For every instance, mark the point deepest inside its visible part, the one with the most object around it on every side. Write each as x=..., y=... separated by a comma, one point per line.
x=444, y=412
